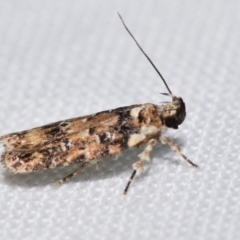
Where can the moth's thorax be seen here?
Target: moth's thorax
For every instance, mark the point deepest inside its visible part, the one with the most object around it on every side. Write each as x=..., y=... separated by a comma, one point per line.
x=173, y=113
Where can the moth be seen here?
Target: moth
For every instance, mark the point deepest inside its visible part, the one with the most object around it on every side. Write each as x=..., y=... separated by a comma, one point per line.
x=87, y=139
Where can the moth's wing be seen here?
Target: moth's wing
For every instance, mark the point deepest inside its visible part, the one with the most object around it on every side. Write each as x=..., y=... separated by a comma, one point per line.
x=66, y=142
x=37, y=138
x=60, y=153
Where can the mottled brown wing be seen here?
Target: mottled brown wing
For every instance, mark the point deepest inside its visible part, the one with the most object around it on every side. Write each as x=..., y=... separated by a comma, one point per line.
x=38, y=137
x=70, y=141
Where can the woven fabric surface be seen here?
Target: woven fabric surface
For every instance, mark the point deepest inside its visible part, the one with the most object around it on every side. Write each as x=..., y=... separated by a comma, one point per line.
x=63, y=59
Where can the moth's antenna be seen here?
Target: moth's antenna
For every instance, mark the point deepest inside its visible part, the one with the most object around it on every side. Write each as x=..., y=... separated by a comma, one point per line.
x=145, y=54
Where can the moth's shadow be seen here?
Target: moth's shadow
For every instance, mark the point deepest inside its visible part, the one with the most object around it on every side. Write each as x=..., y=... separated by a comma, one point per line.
x=108, y=167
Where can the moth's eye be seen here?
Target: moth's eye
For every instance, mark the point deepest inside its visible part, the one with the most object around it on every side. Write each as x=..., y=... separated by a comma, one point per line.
x=171, y=123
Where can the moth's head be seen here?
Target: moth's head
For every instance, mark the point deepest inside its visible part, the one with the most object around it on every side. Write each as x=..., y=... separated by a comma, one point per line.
x=173, y=113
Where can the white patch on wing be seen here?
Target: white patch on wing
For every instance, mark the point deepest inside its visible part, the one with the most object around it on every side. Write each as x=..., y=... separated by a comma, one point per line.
x=97, y=139
x=84, y=133
x=149, y=129
x=135, y=139
x=108, y=135
x=135, y=112
x=69, y=144
x=63, y=147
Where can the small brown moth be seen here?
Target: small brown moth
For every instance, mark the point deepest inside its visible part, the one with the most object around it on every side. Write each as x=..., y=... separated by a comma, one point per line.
x=87, y=139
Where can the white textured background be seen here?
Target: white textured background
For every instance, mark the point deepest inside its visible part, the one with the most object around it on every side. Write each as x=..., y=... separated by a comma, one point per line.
x=61, y=59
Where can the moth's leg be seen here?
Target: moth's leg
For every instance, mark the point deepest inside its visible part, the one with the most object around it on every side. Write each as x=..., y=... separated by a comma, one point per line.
x=176, y=149
x=71, y=174
x=138, y=166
